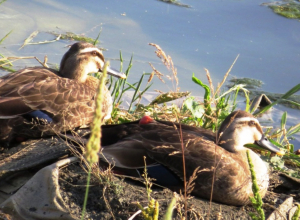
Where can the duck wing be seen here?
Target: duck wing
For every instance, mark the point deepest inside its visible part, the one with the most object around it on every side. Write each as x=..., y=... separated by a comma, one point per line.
x=41, y=89
x=113, y=133
x=11, y=104
x=198, y=131
x=162, y=144
x=135, y=141
x=230, y=171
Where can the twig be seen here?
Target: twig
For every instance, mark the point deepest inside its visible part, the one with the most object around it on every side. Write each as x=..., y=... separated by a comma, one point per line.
x=46, y=41
x=226, y=75
x=20, y=58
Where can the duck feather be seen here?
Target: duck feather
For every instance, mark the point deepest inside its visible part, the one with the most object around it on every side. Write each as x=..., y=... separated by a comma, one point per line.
x=163, y=143
x=66, y=97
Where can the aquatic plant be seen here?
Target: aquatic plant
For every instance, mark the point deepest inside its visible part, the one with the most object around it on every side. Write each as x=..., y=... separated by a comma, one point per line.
x=76, y=37
x=288, y=10
x=175, y=2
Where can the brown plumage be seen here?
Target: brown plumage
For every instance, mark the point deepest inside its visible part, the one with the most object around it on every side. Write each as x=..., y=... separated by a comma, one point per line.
x=40, y=101
x=125, y=145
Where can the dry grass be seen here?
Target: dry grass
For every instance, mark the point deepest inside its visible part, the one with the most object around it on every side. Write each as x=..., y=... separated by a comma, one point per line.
x=168, y=62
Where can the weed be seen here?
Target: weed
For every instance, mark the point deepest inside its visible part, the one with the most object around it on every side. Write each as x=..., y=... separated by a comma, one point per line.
x=152, y=210
x=94, y=142
x=120, y=86
x=256, y=200
x=215, y=106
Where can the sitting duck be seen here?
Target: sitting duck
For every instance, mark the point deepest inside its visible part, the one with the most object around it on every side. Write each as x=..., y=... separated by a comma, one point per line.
x=224, y=153
x=40, y=101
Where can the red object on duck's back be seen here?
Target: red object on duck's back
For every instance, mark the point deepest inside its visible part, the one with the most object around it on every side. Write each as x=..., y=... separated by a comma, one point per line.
x=146, y=120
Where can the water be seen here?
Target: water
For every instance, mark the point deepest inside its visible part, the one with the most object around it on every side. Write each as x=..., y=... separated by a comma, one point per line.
x=208, y=35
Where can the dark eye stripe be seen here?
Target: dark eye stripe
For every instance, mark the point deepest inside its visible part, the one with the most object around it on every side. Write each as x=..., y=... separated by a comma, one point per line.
x=92, y=53
x=259, y=128
x=252, y=123
x=100, y=55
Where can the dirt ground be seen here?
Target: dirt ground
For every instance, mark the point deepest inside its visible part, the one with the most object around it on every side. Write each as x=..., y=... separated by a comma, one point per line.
x=116, y=197
x=120, y=196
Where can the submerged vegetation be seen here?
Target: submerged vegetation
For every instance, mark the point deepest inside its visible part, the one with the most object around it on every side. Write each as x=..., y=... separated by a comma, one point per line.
x=290, y=9
x=76, y=37
x=176, y=2
x=285, y=8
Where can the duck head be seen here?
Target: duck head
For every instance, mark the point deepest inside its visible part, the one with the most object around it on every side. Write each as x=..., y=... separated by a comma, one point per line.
x=82, y=59
x=240, y=128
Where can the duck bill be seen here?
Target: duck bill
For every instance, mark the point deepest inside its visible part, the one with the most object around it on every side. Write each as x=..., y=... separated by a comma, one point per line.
x=265, y=143
x=115, y=73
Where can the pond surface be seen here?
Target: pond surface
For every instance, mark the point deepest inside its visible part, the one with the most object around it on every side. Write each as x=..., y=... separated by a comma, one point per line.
x=209, y=35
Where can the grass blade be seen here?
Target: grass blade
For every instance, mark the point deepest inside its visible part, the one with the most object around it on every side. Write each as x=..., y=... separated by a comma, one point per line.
x=283, y=120
x=97, y=38
x=168, y=215
x=5, y=35
x=136, y=91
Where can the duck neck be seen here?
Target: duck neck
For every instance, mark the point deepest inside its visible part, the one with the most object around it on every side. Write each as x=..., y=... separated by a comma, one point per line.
x=232, y=144
x=74, y=71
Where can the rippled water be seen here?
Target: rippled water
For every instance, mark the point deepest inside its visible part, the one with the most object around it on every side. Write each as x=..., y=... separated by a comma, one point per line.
x=208, y=35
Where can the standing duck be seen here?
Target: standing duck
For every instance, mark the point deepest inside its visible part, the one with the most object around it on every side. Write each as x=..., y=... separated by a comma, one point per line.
x=125, y=145
x=40, y=101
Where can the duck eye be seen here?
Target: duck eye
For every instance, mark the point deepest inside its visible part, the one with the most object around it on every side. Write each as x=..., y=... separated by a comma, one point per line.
x=94, y=53
x=251, y=123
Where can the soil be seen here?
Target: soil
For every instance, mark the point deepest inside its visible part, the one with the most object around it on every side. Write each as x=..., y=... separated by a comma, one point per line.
x=115, y=197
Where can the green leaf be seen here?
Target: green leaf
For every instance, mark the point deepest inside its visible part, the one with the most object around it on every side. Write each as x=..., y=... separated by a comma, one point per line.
x=194, y=107
x=283, y=120
x=294, y=129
